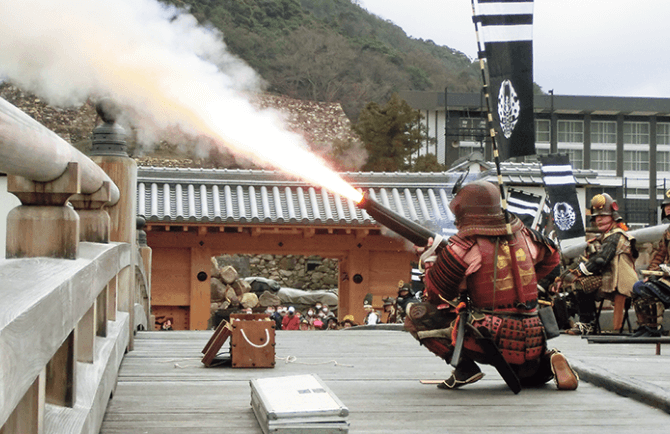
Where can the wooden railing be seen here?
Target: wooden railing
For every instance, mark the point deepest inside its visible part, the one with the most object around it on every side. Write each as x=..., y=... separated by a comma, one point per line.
x=68, y=288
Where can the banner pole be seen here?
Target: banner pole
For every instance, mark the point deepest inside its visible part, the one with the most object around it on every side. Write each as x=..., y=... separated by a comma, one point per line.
x=489, y=121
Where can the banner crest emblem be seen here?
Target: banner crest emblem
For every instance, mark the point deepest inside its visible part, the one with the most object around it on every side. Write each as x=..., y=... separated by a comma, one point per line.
x=509, y=108
x=564, y=216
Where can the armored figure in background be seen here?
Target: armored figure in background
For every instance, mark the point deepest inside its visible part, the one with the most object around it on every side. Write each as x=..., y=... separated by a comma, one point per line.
x=497, y=274
x=608, y=268
x=651, y=296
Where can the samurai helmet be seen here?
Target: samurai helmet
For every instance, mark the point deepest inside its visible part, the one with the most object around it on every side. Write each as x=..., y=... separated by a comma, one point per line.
x=666, y=201
x=477, y=210
x=603, y=204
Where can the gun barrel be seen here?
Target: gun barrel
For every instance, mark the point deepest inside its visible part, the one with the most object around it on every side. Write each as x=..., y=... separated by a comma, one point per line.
x=404, y=227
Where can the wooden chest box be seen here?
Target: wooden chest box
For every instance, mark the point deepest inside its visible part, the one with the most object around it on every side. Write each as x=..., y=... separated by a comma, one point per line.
x=297, y=404
x=252, y=341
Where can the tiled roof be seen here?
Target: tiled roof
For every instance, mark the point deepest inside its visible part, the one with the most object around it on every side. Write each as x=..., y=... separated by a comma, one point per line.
x=267, y=197
x=174, y=196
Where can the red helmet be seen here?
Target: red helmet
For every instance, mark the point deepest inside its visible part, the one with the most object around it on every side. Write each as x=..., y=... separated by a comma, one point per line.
x=478, y=212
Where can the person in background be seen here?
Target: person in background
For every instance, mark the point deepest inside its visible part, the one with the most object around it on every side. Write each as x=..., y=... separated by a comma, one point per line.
x=275, y=315
x=291, y=321
x=651, y=295
x=607, y=270
x=348, y=321
x=391, y=311
x=304, y=325
x=405, y=296
x=372, y=316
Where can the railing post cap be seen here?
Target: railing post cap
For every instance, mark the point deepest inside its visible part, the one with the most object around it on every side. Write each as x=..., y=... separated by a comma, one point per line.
x=108, y=138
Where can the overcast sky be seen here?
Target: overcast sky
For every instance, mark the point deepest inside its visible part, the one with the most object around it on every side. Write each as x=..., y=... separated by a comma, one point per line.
x=581, y=47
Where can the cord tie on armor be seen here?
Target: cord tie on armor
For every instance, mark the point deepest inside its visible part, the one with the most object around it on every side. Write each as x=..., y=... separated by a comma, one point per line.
x=454, y=329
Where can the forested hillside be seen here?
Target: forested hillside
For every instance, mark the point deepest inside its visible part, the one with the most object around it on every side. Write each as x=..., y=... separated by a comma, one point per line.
x=332, y=50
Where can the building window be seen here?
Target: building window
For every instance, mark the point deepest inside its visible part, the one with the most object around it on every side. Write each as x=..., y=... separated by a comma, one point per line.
x=603, y=158
x=663, y=133
x=663, y=158
x=571, y=132
x=636, y=133
x=575, y=154
x=542, y=131
x=472, y=130
x=540, y=149
x=603, y=132
x=636, y=160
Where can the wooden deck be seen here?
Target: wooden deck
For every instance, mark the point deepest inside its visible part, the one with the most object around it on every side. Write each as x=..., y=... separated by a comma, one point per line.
x=163, y=388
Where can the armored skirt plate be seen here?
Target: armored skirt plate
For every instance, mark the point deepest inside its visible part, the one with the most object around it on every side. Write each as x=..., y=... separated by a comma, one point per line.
x=297, y=404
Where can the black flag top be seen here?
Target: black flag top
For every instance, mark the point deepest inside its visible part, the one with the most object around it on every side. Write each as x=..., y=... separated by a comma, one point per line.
x=560, y=186
x=505, y=27
x=524, y=205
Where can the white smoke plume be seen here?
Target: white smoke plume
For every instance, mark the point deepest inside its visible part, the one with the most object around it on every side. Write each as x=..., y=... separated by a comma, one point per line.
x=169, y=73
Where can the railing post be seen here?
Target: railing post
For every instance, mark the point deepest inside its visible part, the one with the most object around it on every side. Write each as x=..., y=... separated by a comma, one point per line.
x=112, y=304
x=28, y=416
x=45, y=226
x=94, y=226
x=109, y=152
x=61, y=383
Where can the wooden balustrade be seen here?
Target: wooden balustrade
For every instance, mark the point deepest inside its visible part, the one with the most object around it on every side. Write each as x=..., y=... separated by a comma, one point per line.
x=46, y=307
x=67, y=286
x=32, y=151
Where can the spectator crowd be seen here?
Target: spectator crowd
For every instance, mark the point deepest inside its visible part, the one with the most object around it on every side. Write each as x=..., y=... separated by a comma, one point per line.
x=317, y=317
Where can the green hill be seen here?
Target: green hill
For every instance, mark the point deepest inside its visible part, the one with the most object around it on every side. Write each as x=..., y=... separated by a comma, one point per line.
x=332, y=50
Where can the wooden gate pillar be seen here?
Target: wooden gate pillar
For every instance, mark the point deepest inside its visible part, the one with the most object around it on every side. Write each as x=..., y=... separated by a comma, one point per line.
x=201, y=264
x=357, y=268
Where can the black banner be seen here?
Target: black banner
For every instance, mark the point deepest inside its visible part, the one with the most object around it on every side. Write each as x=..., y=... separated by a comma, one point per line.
x=505, y=27
x=560, y=184
x=524, y=205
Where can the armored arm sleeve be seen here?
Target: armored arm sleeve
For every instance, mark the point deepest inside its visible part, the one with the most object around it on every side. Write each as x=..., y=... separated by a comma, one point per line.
x=597, y=262
x=444, y=277
x=661, y=254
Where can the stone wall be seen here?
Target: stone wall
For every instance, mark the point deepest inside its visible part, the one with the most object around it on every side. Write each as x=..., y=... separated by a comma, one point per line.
x=291, y=271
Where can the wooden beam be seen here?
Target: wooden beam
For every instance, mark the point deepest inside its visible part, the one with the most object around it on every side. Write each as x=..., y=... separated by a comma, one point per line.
x=86, y=336
x=28, y=416
x=112, y=298
x=167, y=228
x=61, y=370
x=362, y=233
x=202, y=230
x=308, y=232
x=101, y=313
